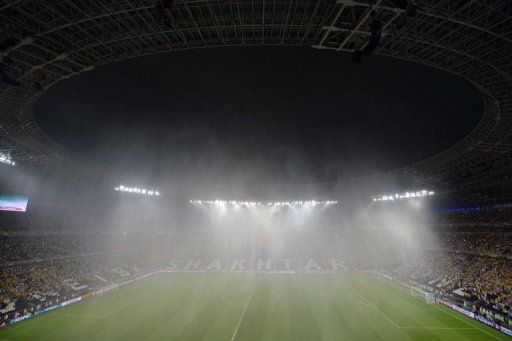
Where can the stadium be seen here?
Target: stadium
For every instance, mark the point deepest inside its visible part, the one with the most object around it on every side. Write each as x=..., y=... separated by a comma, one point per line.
x=256, y=170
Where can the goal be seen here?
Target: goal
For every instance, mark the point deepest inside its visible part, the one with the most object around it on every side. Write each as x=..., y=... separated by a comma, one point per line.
x=428, y=297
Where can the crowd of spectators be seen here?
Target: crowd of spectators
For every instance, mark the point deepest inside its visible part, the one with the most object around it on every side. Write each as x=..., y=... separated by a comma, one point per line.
x=470, y=263
x=40, y=271
x=479, y=284
x=484, y=243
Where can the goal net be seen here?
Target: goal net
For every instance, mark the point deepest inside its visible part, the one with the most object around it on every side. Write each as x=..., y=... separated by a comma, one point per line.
x=426, y=296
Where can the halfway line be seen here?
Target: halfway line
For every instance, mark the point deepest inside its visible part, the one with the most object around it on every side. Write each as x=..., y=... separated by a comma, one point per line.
x=243, y=313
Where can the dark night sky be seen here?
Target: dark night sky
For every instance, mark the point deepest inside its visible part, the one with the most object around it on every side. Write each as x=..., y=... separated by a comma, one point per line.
x=296, y=114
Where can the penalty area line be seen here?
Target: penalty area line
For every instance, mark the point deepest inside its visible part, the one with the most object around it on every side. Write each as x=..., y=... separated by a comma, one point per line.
x=434, y=305
x=466, y=322
x=243, y=314
x=371, y=305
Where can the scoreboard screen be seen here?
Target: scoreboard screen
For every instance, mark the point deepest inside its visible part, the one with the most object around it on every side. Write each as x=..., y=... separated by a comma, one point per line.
x=13, y=202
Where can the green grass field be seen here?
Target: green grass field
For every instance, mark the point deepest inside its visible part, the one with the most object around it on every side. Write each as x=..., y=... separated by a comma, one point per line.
x=253, y=307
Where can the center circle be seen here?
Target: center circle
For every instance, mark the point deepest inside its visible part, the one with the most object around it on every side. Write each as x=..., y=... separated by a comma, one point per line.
x=260, y=298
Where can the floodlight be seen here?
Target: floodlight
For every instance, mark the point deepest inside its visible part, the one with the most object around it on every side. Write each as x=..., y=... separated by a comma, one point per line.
x=6, y=158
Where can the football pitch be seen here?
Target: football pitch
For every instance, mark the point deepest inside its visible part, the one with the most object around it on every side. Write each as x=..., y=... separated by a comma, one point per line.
x=253, y=307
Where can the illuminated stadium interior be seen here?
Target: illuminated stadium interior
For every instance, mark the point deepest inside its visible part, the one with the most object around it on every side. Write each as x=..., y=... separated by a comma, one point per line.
x=263, y=170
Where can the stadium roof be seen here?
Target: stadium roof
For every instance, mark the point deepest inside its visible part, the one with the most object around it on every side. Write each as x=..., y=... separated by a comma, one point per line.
x=50, y=41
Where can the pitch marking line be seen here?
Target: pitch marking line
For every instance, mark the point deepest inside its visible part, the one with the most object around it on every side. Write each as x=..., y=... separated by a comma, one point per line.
x=79, y=315
x=440, y=328
x=371, y=305
x=275, y=298
x=243, y=314
x=105, y=315
x=21, y=324
x=402, y=289
x=374, y=307
x=460, y=319
x=466, y=322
